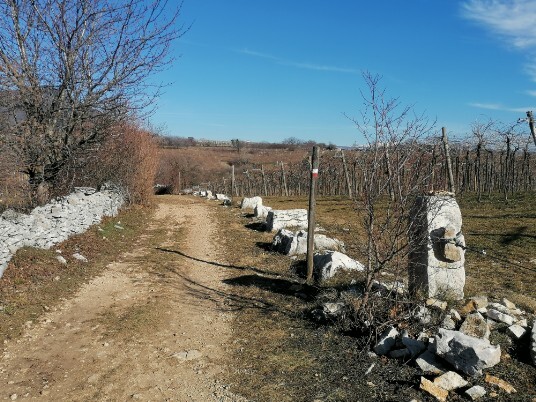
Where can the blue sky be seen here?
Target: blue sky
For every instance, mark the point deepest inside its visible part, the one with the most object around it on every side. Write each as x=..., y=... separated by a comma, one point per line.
x=266, y=70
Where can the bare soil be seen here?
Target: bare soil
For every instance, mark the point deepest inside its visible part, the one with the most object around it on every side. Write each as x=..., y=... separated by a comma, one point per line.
x=144, y=329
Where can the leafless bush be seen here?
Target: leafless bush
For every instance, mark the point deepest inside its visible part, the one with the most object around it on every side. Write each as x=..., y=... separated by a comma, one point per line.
x=391, y=181
x=127, y=159
x=70, y=70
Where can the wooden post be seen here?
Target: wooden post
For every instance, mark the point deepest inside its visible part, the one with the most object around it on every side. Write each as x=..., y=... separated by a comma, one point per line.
x=179, y=181
x=264, y=181
x=444, y=138
x=531, y=125
x=232, y=183
x=347, y=175
x=311, y=215
x=284, y=180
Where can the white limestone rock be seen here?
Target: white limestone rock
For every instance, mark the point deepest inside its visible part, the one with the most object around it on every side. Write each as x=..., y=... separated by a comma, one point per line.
x=448, y=323
x=500, y=308
x=450, y=381
x=436, y=264
x=501, y=317
x=480, y=301
x=52, y=223
x=79, y=257
x=261, y=212
x=326, y=264
x=290, y=243
x=414, y=346
x=250, y=203
x=476, y=392
x=516, y=331
x=386, y=342
x=283, y=219
x=475, y=325
x=508, y=304
x=429, y=363
x=466, y=353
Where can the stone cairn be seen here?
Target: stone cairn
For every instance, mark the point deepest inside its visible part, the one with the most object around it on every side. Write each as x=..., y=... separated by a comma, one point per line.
x=436, y=260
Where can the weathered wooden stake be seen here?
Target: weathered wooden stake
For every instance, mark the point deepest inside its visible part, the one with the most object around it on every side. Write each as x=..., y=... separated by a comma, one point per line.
x=264, y=181
x=232, y=183
x=284, y=180
x=311, y=215
x=531, y=125
x=347, y=175
x=445, y=140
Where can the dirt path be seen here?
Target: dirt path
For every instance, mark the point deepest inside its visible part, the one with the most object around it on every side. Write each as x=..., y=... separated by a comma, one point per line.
x=153, y=327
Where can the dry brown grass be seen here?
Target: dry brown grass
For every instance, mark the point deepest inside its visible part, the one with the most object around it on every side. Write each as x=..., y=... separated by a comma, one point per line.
x=281, y=354
x=506, y=231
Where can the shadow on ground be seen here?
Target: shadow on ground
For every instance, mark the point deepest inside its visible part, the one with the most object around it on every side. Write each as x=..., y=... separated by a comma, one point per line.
x=217, y=264
x=276, y=285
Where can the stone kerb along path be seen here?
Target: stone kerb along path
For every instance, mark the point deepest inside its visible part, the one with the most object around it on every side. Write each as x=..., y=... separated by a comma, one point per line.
x=55, y=222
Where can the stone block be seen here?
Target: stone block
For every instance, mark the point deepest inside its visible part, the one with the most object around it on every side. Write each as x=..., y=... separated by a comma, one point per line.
x=516, y=331
x=326, y=264
x=436, y=260
x=505, y=386
x=475, y=325
x=501, y=317
x=261, y=211
x=475, y=392
x=283, y=219
x=466, y=353
x=250, y=203
x=439, y=393
x=450, y=381
x=386, y=342
x=429, y=363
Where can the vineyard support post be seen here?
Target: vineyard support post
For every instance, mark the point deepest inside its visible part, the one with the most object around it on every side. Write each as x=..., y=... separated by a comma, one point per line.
x=284, y=180
x=311, y=215
x=531, y=125
x=264, y=181
x=232, y=183
x=444, y=138
x=347, y=175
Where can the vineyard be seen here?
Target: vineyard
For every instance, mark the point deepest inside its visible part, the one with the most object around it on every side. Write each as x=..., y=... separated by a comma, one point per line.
x=477, y=169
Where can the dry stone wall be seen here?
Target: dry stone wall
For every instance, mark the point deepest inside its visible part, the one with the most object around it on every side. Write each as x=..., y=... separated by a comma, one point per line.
x=56, y=221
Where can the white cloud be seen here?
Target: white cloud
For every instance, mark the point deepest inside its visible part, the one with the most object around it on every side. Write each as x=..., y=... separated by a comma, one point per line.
x=307, y=66
x=512, y=20
x=498, y=106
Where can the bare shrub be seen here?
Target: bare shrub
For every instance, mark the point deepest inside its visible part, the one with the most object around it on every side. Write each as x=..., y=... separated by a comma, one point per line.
x=69, y=70
x=391, y=181
x=128, y=159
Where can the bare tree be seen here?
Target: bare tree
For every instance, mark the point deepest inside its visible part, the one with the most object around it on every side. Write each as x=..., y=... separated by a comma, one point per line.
x=69, y=69
x=391, y=180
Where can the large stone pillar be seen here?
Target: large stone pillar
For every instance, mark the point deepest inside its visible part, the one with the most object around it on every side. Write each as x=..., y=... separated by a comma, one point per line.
x=436, y=260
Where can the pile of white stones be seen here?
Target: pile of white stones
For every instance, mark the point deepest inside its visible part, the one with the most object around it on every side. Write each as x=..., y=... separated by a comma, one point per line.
x=55, y=222
x=461, y=343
